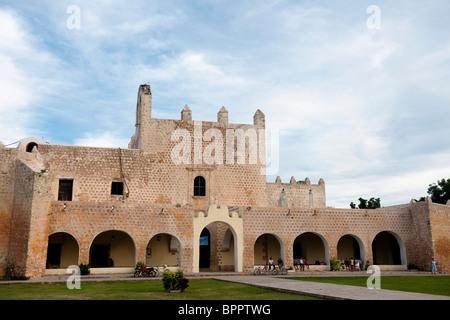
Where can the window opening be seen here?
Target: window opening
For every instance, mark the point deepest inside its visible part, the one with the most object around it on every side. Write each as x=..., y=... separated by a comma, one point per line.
x=30, y=146
x=199, y=186
x=65, y=190
x=117, y=188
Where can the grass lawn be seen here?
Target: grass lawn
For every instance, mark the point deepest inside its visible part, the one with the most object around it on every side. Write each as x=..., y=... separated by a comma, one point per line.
x=141, y=290
x=439, y=285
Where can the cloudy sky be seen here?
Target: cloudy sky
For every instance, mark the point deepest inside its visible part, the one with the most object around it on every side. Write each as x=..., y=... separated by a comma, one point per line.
x=360, y=94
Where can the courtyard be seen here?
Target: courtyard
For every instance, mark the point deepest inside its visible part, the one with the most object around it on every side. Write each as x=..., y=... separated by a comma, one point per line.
x=222, y=286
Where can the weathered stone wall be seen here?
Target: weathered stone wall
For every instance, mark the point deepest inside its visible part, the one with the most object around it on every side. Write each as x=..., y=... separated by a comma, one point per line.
x=7, y=180
x=29, y=221
x=207, y=149
x=299, y=194
x=440, y=229
x=86, y=220
x=330, y=225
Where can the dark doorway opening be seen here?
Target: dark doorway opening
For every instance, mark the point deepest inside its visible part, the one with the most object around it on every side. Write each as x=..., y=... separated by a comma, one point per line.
x=100, y=256
x=205, y=249
x=386, y=249
x=53, y=255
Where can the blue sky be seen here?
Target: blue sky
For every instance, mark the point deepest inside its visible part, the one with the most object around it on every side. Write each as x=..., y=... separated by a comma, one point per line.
x=365, y=109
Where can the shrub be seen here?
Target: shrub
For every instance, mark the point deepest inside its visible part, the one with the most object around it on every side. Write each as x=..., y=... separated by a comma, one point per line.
x=84, y=269
x=181, y=282
x=335, y=264
x=167, y=279
x=174, y=281
x=412, y=266
x=139, y=265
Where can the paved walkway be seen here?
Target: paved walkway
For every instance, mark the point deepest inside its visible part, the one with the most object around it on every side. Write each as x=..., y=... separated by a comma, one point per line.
x=327, y=290
x=315, y=289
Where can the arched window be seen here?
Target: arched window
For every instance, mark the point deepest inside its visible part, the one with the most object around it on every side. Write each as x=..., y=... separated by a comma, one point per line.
x=30, y=146
x=199, y=186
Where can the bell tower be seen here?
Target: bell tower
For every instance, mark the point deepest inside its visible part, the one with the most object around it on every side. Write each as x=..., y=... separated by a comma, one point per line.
x=143, y=115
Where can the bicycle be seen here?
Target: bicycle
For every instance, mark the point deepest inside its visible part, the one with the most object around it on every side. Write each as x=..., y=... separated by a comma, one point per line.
x=261, y=271
x=281, y=270
x=159, y=271
x=257, y=271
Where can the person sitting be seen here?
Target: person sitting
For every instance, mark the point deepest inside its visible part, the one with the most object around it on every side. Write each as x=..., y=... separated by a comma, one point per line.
x=296, y=265
x=280, y=262
x=302, y=265
x=271, y=264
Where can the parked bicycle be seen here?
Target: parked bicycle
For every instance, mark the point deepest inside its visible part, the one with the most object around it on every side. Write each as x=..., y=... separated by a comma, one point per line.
x=262, y=271
x=161, y=270
x=269, y=271
x=279, y=270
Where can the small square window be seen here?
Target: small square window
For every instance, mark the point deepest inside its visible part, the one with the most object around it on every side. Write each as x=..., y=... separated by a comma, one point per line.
x=117, y=189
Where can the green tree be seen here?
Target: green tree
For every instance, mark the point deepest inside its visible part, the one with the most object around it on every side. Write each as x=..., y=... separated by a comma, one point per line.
x=440, y=191
x=372, y=203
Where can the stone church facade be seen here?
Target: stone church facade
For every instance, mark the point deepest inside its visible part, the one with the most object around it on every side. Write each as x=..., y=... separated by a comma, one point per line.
x=191, y=195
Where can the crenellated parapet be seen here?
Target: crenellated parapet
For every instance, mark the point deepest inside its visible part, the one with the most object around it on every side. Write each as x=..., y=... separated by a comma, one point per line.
x=299, y=194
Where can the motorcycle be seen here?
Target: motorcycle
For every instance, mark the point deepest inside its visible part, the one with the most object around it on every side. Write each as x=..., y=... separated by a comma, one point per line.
x=146, y=272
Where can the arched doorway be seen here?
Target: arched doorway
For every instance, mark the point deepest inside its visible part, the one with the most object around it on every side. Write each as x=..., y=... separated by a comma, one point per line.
x=388, y=249
x=350, y=246
x=268, y=246
x=217, y=219
x=163, y=249
x=313, y=248
x=112, y=249
x=217, y=248
x=62, y=251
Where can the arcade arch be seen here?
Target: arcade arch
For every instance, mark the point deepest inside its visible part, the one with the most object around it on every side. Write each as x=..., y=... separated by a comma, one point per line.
x=163, y=249
x=112, y=248
x=62, y=251
x=313, y=247
x=388, y=249
x=350, y=246
x=266, y=246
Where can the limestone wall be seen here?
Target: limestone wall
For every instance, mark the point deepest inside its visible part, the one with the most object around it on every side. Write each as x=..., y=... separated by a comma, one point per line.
x=7, y=180
x=440, y=229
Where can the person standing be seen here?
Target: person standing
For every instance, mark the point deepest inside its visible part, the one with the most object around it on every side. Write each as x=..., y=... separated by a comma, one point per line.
x=433, y=266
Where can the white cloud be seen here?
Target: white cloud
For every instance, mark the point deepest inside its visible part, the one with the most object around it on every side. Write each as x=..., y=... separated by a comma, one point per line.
x=353, y=105
x=103, y=139
x=16, y=86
